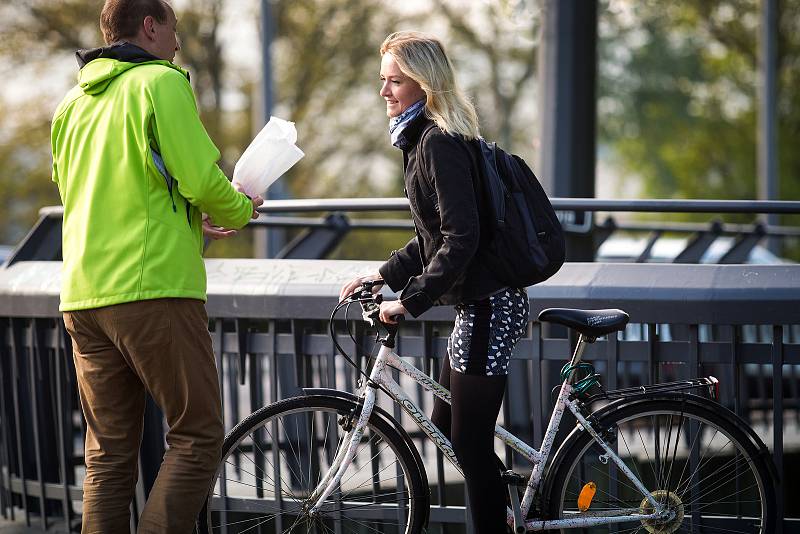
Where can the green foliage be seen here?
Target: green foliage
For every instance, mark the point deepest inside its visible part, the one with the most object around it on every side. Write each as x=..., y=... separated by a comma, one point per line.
x=679, y=102
x=326, y=71
x=32, y=30
x=25, y=184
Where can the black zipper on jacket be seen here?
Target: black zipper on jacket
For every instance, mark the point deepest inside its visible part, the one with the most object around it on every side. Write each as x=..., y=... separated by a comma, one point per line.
x=170, y=182
x=158, y=161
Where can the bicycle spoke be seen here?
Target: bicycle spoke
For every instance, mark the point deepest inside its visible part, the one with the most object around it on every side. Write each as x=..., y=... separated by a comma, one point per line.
x=720, y=501
x=684, y=487
x=266, y=459
x=649, y=461
x=700, y=462
x=633, y=530
x=382, y=480
x=691, y=486
x=230, y=523
x=370, y=461
x=726, y=529
x=630, y=454
x=601, y=491
x=674, y=453
x=371, y=503
x=665, y=446
x=289, y=441
x=256, y=525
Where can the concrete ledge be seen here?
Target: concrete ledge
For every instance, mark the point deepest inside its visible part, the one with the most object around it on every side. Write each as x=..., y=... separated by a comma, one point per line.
x=308, y=289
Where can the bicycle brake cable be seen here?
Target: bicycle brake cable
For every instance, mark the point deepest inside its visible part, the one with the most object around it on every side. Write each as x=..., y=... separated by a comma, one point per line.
x=368, y=353
x=332, y=331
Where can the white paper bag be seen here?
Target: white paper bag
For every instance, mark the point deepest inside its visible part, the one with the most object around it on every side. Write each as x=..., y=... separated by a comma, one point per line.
x=270, y=155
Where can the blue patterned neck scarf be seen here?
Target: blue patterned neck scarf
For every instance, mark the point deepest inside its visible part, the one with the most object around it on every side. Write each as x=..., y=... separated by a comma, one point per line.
x=399, y=123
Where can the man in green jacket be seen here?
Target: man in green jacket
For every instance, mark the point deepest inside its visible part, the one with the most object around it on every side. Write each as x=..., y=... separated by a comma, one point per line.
x=136, y=171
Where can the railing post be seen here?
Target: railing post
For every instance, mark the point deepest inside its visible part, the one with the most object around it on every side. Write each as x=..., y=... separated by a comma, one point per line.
x=777, y=418
x=17, y=327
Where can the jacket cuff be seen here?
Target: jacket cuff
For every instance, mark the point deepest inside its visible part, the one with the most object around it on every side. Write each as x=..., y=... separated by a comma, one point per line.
x=393, y=273
x=417, y=304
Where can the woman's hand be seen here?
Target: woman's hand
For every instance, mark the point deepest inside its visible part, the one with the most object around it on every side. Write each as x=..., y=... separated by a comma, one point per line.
x=390, y=308
x=350, y=287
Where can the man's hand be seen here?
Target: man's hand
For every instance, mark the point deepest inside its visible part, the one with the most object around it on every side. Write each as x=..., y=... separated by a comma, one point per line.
x=256, y=200
x=215, y=232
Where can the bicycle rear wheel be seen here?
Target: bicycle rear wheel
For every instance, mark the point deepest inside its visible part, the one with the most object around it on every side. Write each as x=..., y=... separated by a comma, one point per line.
x=273, y=460
x=693, y=459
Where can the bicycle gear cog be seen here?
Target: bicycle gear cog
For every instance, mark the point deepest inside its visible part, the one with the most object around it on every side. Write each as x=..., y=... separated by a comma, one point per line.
x=672, y=503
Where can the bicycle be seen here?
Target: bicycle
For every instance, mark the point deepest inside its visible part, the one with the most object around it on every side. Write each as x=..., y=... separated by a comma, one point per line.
x=653, y=459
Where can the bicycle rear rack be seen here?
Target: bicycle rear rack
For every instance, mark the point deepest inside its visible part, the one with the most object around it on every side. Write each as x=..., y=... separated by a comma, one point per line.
x=710, y=383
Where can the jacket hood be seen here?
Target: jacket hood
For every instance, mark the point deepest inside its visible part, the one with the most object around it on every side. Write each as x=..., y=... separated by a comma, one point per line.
x=99, y=66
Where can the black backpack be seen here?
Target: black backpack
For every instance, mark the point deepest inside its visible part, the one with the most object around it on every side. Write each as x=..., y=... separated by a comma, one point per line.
x=528, y=242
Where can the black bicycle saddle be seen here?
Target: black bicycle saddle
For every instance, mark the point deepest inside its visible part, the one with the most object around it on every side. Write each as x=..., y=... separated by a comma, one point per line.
x=590, y=323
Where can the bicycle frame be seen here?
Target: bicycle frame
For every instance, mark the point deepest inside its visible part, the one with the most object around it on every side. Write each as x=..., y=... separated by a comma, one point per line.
x=381, y=376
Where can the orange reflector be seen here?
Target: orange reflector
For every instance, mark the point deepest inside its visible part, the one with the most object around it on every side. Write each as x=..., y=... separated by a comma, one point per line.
x=586, y=496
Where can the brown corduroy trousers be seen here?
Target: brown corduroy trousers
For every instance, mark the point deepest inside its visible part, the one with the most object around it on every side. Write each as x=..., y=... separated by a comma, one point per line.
x=161, y=347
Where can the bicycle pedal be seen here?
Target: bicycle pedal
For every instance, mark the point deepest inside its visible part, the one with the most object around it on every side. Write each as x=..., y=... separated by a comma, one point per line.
x=513, y=479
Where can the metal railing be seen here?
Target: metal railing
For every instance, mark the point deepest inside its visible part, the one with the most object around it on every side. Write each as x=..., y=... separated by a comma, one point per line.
x=577, y=215
x=740, y=323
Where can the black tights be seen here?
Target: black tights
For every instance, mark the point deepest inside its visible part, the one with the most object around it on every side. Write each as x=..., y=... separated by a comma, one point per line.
x=470, y=425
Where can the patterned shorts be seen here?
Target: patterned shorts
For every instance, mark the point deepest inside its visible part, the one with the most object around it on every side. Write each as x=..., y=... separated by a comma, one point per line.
x=485, y=332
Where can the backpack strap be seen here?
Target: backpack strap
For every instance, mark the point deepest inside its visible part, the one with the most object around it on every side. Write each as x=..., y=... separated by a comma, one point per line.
x=495, y=186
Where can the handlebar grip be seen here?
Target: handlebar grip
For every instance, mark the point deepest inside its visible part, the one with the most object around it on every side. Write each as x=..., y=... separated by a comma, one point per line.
x=398, y=318
x=369, y=284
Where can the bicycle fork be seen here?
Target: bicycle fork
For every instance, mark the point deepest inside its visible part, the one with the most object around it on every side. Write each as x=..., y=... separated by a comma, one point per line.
x=348, y=448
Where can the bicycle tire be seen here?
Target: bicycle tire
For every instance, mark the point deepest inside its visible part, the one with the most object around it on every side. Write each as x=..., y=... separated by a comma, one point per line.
x=729, y=490
x=353, y=508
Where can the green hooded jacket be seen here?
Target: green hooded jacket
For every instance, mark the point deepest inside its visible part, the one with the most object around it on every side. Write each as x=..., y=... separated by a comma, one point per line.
x=132, y=231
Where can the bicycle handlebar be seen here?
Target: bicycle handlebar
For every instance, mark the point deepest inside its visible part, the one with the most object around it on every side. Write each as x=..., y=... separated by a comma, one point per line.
x=370, y=304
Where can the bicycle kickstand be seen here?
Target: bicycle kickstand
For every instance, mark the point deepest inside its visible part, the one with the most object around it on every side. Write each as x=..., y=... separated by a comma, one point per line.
x=513, y=480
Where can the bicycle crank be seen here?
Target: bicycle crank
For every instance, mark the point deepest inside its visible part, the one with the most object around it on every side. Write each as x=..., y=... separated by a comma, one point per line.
x=673, y=507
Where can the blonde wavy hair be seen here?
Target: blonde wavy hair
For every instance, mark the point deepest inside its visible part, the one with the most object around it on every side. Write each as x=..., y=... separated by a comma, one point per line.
x=422, y=58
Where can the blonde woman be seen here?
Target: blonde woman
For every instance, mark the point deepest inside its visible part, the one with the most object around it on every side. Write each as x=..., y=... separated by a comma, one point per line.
x=436, y=128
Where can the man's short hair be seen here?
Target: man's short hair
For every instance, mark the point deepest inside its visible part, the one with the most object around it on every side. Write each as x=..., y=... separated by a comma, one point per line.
x=120, y=19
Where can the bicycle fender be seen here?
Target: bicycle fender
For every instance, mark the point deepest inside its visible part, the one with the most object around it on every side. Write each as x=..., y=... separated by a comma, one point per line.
x=387, y=417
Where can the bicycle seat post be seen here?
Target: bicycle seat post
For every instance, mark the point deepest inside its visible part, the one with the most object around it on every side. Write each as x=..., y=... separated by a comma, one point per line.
x=576, y=356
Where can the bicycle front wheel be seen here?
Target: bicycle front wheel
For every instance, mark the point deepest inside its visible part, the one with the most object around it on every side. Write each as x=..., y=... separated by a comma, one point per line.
x=273, y=460
x=696, y=462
